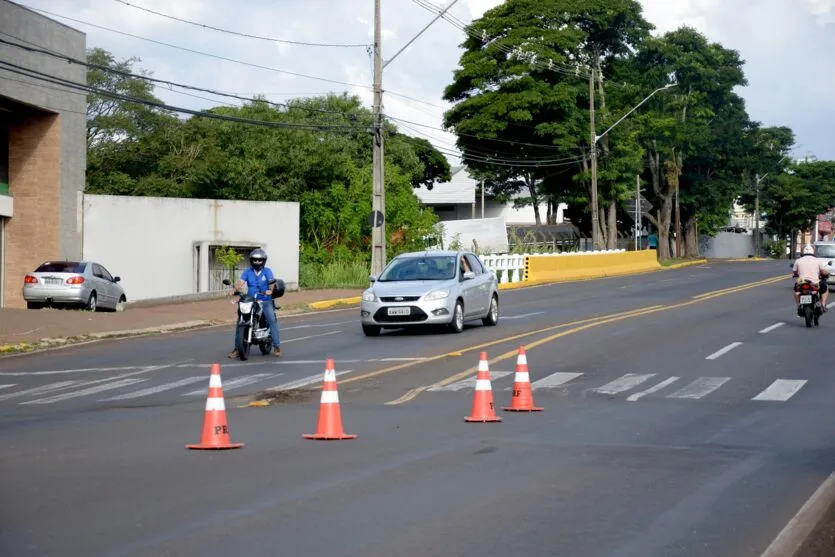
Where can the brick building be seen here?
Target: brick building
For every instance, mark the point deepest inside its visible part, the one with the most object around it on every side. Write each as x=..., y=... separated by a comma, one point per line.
x=43, y=147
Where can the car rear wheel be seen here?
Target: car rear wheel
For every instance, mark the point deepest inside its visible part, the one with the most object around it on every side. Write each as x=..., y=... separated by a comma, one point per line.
x=493, y=314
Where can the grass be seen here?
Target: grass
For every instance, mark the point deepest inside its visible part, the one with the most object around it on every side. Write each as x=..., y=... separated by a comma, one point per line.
x=339, y=274
x=674, y=261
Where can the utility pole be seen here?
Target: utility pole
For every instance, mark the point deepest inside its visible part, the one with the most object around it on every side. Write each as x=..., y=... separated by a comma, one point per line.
x=595, y=213
x=378, y=205
x=637, y=208
x=678, y=218
x=757, y=219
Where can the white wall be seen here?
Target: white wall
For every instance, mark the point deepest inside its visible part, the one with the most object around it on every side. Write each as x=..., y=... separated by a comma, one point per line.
x=150, y=241
x=522, y=215
x=491, y=234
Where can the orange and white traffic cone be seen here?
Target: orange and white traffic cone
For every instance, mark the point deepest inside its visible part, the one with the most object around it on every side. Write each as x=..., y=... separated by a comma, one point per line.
x=215, y=428
x=522, y=400
x=483, y=409
x=330, y=416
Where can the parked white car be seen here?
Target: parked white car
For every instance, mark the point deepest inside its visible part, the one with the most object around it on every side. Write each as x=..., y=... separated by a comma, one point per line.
x=825, y=252
x=431, y=288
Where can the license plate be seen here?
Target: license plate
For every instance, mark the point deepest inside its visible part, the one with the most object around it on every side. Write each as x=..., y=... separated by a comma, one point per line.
x=54, y=281
x=806, y=299
x=399, y=311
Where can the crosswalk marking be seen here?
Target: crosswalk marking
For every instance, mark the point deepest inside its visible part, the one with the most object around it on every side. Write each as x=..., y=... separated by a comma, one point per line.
x=653, y=389
x=303, y=382
x=156, y=389
x=84, y=392
x=43, y=389
x=781, y=390
x=700, y=387
x=469, y=382
x=554, y=380
x=236, y=383
x=624, y=383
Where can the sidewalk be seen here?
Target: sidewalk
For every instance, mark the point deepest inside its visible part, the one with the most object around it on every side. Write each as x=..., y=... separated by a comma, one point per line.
x=21, y=328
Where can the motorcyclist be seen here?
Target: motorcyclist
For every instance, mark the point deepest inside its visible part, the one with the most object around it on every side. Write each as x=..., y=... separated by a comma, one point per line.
x=260, y=280
x=808, y=268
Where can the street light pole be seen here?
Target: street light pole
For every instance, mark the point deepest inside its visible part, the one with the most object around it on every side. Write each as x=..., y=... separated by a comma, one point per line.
x=595, y=221
x=378, y=199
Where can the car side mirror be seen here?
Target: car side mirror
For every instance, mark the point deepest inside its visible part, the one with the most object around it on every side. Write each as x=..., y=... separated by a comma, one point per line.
x=469, y=275
x=117, y=279
x=227, y=282
x=372, y=278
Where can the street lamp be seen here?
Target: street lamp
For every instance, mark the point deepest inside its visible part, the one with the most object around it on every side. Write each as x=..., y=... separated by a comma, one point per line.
x=595, y=220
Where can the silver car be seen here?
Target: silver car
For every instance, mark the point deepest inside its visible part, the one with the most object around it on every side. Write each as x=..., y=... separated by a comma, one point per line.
x=82, y=283
x=825, y=252
x=431, y=288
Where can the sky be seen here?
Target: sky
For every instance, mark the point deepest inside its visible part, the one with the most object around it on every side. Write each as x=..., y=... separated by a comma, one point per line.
x=784, y=43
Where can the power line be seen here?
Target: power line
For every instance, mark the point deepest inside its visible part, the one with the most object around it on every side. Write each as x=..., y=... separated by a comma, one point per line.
x=163, y=81
x=210, y=55
x=269, y=39
x=20, y=70
x=482, y=138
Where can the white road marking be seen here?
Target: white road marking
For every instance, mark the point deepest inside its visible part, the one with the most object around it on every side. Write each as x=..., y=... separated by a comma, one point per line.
x=781, y=390
x=389, y=360
x=155, y=389
x=722, y=352
x=831, y=305
x=43, y=389
x=624, y=383
x=303, y=382
x=7, y=386
x=773, y=327
x=522, y=316
x=316, y=326
x=274, y=362
x=700, y=387
x=84, y=392
x=554, y=380
x=311, y=336
x=653, y=389
x=236, y=383
x=66, y=371
x=469, y=382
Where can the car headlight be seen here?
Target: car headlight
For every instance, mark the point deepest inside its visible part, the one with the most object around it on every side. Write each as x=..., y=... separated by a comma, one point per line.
x=368, y=296
x=437, y=295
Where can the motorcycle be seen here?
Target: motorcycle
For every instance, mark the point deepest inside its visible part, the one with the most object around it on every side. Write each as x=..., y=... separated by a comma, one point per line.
x=810, y=307
x=252, y=327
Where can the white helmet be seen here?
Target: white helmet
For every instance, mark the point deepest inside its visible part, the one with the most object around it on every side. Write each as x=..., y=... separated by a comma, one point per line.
x=809, y=250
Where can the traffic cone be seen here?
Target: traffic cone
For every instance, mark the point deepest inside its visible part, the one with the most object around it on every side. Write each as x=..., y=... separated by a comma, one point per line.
x=330, y=416
x=483, y=409
x=215, y=428
x=522, y=400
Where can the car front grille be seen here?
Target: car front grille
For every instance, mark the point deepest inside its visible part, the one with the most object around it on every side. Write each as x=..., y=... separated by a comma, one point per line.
x=416, y=315
x=399, y=298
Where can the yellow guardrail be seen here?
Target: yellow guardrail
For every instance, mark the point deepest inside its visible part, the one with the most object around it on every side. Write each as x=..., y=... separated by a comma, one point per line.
x=593, y=265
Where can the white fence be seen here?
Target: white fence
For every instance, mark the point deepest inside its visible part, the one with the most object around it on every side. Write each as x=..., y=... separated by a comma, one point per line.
x=510, y=267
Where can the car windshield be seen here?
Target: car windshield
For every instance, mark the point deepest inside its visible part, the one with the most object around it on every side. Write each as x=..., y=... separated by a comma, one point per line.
x=432, y=267
x=825, y=251
x=61, y=267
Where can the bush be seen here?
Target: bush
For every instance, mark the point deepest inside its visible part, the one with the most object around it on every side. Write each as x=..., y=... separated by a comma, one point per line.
x=336, y=274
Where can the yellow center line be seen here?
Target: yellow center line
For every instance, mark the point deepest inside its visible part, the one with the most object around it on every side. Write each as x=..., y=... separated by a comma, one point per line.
x=589, y=324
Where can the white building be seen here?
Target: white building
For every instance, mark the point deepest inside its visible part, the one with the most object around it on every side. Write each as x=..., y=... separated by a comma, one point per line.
x=458, y=199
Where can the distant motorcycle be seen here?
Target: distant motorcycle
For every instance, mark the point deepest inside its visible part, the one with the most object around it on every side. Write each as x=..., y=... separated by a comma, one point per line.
x=810, y=307
x=252, y=327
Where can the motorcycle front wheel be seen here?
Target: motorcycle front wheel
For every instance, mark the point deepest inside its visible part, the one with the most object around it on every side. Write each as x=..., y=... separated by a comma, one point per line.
x=242, y=342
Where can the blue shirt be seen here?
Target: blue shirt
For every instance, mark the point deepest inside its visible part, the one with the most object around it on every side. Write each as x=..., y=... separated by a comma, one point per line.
x=258, y=283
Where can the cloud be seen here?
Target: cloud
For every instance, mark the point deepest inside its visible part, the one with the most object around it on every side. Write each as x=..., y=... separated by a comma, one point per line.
x=784, y=42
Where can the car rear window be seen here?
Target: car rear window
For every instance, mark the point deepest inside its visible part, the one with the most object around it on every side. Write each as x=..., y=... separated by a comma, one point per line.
x=61, y=267
x=825, y=251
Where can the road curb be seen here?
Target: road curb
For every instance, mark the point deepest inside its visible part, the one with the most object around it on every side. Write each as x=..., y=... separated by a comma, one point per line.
x=790, y=539
x=685, y=264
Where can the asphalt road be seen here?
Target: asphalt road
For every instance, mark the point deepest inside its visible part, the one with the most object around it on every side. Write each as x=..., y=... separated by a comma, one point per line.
x=687, y=413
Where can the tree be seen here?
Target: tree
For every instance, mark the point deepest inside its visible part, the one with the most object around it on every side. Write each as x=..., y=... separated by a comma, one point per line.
x=519, y=93
x=680, y=123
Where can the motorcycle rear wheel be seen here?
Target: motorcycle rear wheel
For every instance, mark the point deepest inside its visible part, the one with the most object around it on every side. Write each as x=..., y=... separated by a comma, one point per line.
x=807, y=314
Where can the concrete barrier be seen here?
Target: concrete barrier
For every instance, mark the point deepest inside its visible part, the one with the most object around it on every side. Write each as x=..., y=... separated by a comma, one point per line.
x=573, y=266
